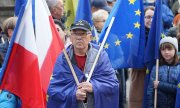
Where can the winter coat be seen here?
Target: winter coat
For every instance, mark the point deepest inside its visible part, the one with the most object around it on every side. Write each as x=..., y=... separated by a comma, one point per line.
x=167, y=87
x=62, y=88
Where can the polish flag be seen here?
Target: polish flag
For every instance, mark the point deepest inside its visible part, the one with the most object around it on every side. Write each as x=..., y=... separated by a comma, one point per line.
x=34, y=48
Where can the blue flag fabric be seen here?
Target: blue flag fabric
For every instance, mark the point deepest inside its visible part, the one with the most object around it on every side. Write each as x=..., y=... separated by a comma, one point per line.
x=152, y=48
x=18, y=6
x=125, y=43
x=178, y=94
x=62, y=88
x=84, y=13
x=155, y=34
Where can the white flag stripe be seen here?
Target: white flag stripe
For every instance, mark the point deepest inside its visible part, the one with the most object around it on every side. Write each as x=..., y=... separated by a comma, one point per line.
x=26, y=29
x=46, y=7
x=43, y=31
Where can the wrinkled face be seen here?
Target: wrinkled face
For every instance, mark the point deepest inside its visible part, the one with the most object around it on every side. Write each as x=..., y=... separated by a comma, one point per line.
x=148, y=18
x=58, y=10
x=99, y=24
x=168, y=54
x=80, y=39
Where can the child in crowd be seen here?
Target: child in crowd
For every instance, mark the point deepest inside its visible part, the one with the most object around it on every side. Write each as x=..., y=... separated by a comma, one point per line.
x=168, y=73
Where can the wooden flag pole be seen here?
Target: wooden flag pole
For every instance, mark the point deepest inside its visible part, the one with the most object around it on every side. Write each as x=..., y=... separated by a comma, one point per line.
x=101, y=47
x=72, y=70
x=155, y=93
x=70, y=65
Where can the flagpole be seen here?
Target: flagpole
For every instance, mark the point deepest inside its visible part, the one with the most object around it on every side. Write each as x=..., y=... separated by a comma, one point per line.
x=72, y=70
x=70, y=65
x=101, y=47
x=155, y=93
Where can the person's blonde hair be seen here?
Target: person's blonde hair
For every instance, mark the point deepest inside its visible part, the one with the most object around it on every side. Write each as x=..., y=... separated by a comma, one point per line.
x=9, y=23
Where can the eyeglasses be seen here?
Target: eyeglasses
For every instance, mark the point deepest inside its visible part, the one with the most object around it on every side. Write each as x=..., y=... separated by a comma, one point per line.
x=99, y=20
x=148, y=17
x=82, y=34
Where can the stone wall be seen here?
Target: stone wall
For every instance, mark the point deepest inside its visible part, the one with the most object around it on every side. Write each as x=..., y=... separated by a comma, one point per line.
x=6, y=9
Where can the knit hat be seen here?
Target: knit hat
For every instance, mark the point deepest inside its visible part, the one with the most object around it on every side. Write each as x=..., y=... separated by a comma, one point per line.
x=171, y=40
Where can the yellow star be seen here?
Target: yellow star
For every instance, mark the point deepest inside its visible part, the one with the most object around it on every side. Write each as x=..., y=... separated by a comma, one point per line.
x=179, y=85
x=117, y=43
x=136, y=25
x=147, y=71
x=129, y=35
x=93, y=38
x=163, y=35
x=138, y=12
x=131, y=1
x=47, y=96
x=106, y=46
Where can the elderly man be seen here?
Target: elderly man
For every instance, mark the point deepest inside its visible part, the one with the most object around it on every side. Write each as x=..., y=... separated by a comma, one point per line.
x=101, y=92
x=56, y=8
x=99, y=18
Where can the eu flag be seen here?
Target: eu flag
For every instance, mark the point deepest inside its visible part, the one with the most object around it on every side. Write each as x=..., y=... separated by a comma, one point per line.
x=155, y=34
x=152, y=48
x=126, y=40
x=84, y=13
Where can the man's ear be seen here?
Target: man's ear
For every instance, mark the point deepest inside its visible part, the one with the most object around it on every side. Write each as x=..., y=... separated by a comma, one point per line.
x=90, y=36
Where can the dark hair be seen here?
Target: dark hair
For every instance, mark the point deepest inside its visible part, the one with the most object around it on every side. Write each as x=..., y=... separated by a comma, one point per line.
x=168, y=46
x=149, y=8
x=60, y=24
x=1, y=59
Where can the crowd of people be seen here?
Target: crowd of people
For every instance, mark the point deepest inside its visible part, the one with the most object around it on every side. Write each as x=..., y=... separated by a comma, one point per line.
x=107, y=87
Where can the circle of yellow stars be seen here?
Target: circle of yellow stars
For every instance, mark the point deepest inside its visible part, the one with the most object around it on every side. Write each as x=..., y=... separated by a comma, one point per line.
x=129, y=35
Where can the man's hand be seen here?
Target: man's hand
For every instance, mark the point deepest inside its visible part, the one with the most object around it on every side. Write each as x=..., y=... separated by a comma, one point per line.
x=86, y=86
x=80, y=94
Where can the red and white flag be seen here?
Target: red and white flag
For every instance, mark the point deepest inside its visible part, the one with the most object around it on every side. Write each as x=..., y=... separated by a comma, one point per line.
x=35, y=47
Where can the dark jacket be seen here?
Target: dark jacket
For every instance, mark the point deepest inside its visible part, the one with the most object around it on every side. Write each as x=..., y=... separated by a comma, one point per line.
x=3, y=48
x=172, y=32
x=167, y=87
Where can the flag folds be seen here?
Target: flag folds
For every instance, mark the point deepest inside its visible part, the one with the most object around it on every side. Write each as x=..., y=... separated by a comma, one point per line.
x=84, y=13
x=18, y=5
x=126, y=40
x=152, y=47
x=70, y=10
x=155, y=34
x=31, y=56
